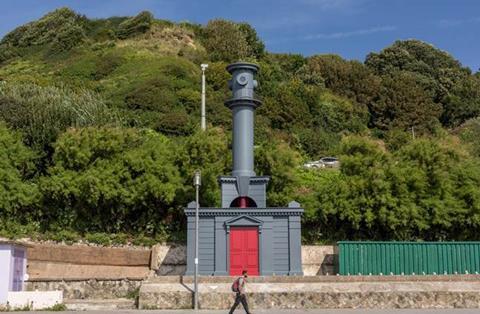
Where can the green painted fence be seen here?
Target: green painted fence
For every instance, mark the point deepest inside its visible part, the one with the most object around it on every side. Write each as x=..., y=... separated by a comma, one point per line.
x=408, y=258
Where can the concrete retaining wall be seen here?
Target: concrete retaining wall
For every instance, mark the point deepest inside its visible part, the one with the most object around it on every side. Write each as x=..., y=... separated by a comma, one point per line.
x=75, y=262
x=88, y=289
x=388, y=292
x=319, y=260
x=168, y=260
x=47, y=261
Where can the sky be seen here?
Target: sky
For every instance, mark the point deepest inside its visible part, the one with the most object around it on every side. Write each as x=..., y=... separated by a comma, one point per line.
x=350, y=28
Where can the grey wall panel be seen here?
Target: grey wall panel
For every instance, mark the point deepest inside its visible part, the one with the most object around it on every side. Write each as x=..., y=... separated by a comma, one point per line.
x=266, y=246
x=221, y=253
x=280, y=246
x=295, y=245
x=229, y=193
x=257, y=193
x=206, y=246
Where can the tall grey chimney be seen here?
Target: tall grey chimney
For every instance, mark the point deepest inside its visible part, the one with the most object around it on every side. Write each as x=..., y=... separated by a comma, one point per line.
x=243, y=105
x=243, y=188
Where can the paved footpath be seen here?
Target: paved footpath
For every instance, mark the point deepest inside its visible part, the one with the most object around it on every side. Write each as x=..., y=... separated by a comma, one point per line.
x=447, y=311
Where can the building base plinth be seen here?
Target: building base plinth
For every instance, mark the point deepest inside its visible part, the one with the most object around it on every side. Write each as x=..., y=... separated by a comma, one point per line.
x=315, y=293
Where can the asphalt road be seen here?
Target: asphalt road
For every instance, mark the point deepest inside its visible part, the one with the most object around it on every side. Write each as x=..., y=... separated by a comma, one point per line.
x=447, y=311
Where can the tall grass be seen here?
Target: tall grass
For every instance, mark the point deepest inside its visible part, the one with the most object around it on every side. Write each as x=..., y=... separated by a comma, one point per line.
x=42, y=113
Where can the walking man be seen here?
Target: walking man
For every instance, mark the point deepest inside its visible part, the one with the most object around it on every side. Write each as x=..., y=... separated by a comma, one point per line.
x=238, y=287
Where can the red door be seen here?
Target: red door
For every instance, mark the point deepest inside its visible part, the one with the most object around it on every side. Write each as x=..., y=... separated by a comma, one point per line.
x=243, y=250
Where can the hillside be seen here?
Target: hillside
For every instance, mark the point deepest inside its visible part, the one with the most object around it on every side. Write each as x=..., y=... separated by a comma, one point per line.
x=100, y=132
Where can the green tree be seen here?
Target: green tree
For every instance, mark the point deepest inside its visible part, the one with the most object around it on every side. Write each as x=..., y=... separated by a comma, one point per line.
x=289, y=63
x=256, y=46
x=112, y=180
x=208, y=152
x=277, y=160
x=443, y=190
x=310, y=183
x=462, y=103
x=290, y=105
x=165, y=100
x=350, y=79
x=337, y=114
x=317, y=142
x=372, y=198
x=435, y=65
x=443, y=77
x=225, y=41
x=422, y=191
x=18, y=192
x=332, y=116
x=403, y=104
x=217, y=76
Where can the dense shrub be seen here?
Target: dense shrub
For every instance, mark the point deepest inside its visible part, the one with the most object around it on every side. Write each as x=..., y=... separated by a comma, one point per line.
x=255, y=46
x=18, y=193
x=208, y=152
x=156, y=95
x=436, y=71
x=463, y=102
x=403, y=105
x=350, y=79
x=111, y=180
x=277, y=160
x=423, y=191
x=107, y=63
x=469, y=132
x=225, y=41
x=337, y=114
x=67, y=39
x=135, y=25
x=61, y=29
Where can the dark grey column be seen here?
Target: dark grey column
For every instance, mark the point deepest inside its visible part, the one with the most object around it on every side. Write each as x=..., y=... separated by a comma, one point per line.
x=221, y=253
x=243, y=141
x=266, y=250
x=295, y=245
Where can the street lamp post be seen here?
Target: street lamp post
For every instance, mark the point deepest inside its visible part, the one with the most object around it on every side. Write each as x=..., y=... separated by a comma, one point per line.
x=197, y=181
x=203, y=122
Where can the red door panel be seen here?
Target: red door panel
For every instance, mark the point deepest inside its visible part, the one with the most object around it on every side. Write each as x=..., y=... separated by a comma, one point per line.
x=244, y=250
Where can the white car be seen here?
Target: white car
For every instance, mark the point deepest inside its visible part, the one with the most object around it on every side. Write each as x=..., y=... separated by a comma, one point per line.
x=330, y=162
x=314, y=164
x=325, y=162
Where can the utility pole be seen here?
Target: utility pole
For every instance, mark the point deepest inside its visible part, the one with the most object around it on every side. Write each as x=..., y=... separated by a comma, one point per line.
x=413, y=132
x=197, y=181
x=203, y=122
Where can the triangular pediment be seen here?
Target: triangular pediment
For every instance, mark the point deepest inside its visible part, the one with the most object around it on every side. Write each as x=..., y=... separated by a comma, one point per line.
x=244, y=220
